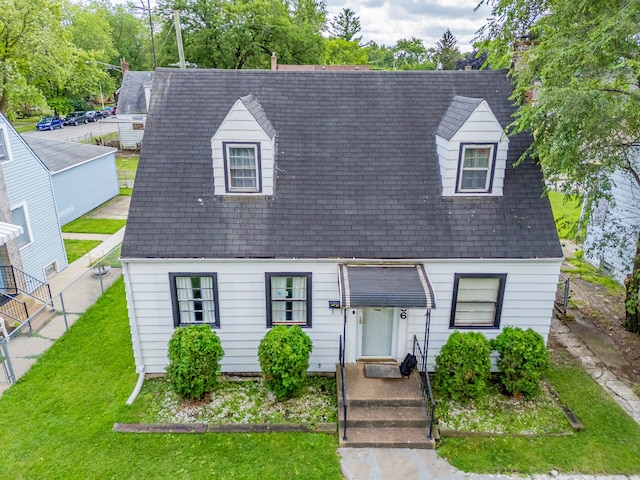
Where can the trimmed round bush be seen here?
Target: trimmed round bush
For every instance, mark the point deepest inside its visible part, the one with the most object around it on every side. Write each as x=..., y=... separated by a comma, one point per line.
x=195, y=353
x=523, y=359
x=284, y=360
x=463, y=366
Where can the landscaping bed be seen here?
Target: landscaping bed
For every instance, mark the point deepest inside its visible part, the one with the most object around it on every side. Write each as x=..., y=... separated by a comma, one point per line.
x=240, y=401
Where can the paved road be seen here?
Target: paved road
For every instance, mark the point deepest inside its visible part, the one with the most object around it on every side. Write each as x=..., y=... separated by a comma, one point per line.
x=81, y=132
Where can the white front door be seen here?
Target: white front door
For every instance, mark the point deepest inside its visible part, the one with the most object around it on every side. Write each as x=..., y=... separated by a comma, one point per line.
x=377, y=332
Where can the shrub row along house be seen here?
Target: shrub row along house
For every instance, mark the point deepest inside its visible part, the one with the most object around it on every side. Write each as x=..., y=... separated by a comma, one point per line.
x=370, y=206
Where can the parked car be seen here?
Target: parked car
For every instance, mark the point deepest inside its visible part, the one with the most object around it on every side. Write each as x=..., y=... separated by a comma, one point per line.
x=94, y=115
x=49, y=123
x=75, y=118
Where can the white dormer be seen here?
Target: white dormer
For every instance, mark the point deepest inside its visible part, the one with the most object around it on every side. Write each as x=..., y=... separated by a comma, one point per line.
x=472, y=149
x=243, y=151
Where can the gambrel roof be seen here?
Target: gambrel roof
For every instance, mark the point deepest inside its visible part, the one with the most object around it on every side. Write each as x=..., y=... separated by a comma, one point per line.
x=357, y=173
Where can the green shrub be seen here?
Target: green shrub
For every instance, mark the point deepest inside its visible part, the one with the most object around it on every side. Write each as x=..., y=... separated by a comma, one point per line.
x=195, y=353
x=284, y=360
x=463, y=366
x=522, y=362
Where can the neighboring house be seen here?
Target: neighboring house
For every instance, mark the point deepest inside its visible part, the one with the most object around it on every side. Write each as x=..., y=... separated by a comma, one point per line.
x=614, y=226
x=377, y=206
x=31, y=245
x=133, y=102
x=84, y=176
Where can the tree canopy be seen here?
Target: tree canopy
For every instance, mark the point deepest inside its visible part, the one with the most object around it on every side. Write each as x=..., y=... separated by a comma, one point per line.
x=446, y=51
x=584, y=66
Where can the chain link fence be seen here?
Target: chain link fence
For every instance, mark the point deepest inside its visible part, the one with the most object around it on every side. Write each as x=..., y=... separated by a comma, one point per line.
x=21, y=344
x=126, y=178
x=562, y=294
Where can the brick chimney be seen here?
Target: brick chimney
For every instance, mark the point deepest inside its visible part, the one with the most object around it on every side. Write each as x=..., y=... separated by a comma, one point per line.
x=274, y=61
x=124, y=65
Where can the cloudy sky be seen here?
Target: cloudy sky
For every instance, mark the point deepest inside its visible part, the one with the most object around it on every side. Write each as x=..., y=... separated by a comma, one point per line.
x=387, y=21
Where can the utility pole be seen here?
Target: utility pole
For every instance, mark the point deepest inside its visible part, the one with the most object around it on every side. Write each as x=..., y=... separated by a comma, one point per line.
x=176, y=18
x=153, y=44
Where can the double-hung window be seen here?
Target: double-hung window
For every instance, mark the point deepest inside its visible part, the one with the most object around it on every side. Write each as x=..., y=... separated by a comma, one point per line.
x=475, y=173
x=477, y=300
x=288, y=299
x=242, y=167
x=195, y=299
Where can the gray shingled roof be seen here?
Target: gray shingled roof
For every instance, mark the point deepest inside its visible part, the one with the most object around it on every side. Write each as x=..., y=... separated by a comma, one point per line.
x=131, y=98
x=458, y=112
x=58, y=155
x=357, y=171
x=257, y=111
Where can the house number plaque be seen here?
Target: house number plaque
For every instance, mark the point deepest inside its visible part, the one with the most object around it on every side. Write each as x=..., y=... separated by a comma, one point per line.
x=403, y=314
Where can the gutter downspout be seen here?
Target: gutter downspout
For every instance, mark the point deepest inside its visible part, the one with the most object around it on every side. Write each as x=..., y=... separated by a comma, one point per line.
x=135, y=337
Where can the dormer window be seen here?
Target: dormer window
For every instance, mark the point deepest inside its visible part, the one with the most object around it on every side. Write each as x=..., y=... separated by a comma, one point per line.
x=472, y=149
x=475, y=173
x=243, y=151
x=242, y=165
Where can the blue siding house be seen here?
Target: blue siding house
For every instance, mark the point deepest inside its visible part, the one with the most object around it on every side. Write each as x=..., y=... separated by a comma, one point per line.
x=31, y=245
x=84, y=176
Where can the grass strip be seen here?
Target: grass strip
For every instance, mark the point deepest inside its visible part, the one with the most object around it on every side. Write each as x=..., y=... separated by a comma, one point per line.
x=77, y=248
x=64, y=408
x=609, y=445
x=94, y=225
x=566, y=212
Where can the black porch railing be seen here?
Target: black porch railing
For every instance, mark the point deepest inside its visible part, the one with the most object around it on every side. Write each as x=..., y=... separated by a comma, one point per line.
x=344, y=388
x=13, y=309
x=425, y=383
x=14, y=281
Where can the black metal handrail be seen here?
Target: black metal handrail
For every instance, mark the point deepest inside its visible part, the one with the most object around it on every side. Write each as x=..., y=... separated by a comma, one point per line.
x=16, y=280
x=344, y=389
x=425, y=383
x=13, y=308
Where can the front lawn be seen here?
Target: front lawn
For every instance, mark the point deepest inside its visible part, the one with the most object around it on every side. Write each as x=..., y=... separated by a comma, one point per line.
x=59, y=416
x=610, y=443
x=94, y=225
x=566, y=212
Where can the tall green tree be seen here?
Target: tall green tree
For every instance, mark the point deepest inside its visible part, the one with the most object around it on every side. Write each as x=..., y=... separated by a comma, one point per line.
x=34, y=50
x=379, y=56
x=244, y=33
x=446, y=51
x=342, y=52
x=584, y=65
x=411, y=54
x=345, y=25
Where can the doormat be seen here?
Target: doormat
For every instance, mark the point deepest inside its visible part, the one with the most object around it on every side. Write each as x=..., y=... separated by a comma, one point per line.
x=382, y=370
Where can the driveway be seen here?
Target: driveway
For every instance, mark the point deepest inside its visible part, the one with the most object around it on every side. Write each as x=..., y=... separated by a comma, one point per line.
x=81, y=132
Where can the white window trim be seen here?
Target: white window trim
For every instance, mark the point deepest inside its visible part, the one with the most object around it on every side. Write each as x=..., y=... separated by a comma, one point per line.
x=7, y=146
x=27, y=220
x=490, y=168
x=227, y=146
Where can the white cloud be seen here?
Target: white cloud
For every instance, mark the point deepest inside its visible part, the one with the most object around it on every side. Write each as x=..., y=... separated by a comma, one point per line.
x=386, y=21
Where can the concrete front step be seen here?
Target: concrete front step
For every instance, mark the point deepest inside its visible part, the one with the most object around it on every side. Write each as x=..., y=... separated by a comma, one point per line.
x=387, y=438
x=386, y=417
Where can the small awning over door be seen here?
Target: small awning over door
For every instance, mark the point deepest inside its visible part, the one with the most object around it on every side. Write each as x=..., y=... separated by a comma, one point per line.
x=405, y=286
x=9, y=231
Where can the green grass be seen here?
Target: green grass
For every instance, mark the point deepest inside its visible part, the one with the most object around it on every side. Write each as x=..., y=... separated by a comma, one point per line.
x=126, y=192
x=77, y=248
x=59, y=417
x=591, y=274
x=25, y=124
x=610, y=443
x=94, y=225
x=127, y=163
x=566, y=212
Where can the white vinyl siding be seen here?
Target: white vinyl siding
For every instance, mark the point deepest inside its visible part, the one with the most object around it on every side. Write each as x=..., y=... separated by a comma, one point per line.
x=19, y=217
x=528, y=302
x=130, y=136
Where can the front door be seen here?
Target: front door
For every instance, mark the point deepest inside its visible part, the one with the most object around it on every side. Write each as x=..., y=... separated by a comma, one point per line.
x=377, y=332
